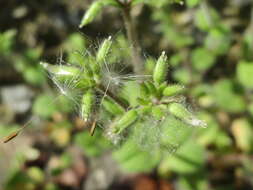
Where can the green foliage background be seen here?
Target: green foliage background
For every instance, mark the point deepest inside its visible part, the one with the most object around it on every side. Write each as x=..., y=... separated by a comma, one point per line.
x=209, y=44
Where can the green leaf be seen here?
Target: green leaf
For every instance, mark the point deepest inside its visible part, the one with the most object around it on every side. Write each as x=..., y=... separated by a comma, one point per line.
x=133, y=159
x=135, y=2
x=44, y=106
x=182, y=75
x=190, y=158
x=7, y=41
x=75, y=42
x=34, y=75
x=206, y=20
x=218, y=40
x=213, y=134
x=174, y=133
x=202, y=59
x=192, y=3
x=194, y=182
x=225, y=97
x=92, y=145
x=244, y=72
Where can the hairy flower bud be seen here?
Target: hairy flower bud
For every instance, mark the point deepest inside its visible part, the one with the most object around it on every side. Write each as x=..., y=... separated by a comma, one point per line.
x=180, y=112
x=91, y=13
x=104, y=50
x=112, y=107
x=87, y=103
x=125, y=121
x=173, y=90
x=61, y=70
x=160, y=71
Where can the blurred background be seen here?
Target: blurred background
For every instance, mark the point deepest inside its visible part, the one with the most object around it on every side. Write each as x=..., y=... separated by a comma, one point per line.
x=210, y=48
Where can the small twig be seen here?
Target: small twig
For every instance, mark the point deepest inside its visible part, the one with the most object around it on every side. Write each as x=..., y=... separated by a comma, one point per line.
x=93, y=127
x=16, y=133
x=132, y=37
x=108, y=93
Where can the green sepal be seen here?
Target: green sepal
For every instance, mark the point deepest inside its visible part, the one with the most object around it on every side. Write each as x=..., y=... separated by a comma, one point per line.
x=125, y=121
x=151, y=87
x=91, y=13
x=161, y=69
x=104, y=50
x=173, y=90
x=61, y=70
x=87, y=104
x=144, y=90
x=158, y=112
x=112, y=107
x=179, y=111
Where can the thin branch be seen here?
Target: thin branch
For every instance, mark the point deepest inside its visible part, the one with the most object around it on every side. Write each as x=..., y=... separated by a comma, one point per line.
x=108, y=93
x=132, y=37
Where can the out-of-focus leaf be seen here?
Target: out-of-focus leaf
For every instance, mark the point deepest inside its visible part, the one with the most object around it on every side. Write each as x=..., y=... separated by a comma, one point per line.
x=6, y=41
x=192, y=3
x=34, y=75
x=225, y=97
x=44, y=106
x=218, y=40
x=213, y=134
x=244, y=73
x=202, y=59
x=250, y=109
x=92, y=145
x=51, y=186
x=182, y=76
x=75, y=42
x=33, y=54
x=195, y=182
x=206, y=19
x=243, y=133
x=188, y=159
x=132, y=159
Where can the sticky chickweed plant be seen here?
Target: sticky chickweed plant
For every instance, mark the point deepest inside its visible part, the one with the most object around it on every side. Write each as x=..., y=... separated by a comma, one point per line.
x=132, y=108
x=159, y=120
x=156, y=119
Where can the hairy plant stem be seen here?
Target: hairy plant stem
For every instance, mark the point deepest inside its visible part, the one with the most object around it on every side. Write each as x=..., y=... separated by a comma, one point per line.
x=111, y=95
x=132, y=37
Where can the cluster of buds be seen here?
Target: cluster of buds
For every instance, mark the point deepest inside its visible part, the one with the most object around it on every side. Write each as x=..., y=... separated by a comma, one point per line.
x=158, y=100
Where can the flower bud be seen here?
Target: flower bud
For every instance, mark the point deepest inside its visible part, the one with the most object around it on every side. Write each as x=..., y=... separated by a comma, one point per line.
x=91, y=13
x=87, y=103
x=180, y=112
x=160, y=72
x=151, y=87
x=61, y=70
x=173, y=90
x=125, y=121
x=104, y=50
x=144, y=91
x=112, y=107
